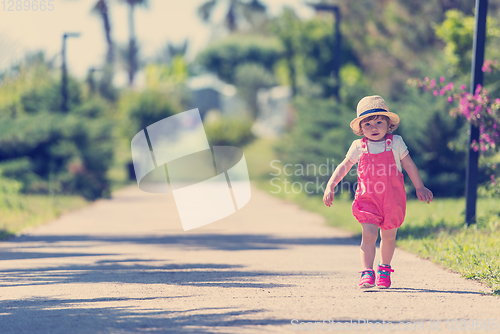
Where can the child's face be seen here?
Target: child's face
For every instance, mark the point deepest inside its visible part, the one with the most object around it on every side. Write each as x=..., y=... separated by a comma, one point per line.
x=375, y=129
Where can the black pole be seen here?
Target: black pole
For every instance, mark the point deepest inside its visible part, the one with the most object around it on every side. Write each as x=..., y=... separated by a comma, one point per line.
x=64, y=79
x=337, y=60
x=477, y=79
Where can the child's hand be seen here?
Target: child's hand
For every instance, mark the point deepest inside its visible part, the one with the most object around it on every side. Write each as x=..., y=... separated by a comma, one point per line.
x=424, y=194
x=328, y=197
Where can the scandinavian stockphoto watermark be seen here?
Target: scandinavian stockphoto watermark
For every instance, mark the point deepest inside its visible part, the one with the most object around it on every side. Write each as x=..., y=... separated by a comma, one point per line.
x=173, y=154
x=455, y=325
x=284, y=177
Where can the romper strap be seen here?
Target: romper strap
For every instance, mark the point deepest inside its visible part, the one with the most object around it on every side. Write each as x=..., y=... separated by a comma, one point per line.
x=364, y=145
x=388, y=142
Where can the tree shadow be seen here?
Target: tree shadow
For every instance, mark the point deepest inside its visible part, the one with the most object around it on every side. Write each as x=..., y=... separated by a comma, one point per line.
x=51, y=315
x=198, y=274
x=229, y=242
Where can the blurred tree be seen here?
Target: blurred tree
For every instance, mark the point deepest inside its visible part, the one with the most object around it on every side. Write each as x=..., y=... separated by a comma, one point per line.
x=321, y=136
x=249, y=78
x=224, y=56
x=252, y=12
x=132, y=51
x=101, y=8
x=169, y=51
x=47, y=150
x=457, y=32
x=287, y=28
x=105, y=85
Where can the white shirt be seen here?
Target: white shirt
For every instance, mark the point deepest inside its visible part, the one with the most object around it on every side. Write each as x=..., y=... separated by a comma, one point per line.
x=399, y=149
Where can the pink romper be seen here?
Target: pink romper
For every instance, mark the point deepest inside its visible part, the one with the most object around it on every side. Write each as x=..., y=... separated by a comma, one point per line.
x=380, y=197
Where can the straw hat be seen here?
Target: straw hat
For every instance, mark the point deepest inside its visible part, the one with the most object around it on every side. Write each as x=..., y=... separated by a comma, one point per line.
x=371, y=106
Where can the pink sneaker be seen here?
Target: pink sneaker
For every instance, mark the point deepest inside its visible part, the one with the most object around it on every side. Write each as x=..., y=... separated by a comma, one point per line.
x=367, y=279
x=384, y=276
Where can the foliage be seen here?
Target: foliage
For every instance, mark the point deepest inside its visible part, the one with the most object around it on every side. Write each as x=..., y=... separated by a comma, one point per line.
x=457, y=32
x=49, y=151
x=309, y=54
x=140, y=109
x=319, y=136
x=249, y=78
x=226, y=131
x=394, y=40
x=252, y=13
x=224, y=56
x=478, y=108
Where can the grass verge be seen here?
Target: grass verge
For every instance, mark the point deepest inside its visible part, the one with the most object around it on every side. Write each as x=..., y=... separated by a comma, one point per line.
x=433, y=231
x=32, y=210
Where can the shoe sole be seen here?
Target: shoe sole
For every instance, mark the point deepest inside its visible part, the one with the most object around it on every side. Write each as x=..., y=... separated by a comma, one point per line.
x=366, y=286
x=382, y=287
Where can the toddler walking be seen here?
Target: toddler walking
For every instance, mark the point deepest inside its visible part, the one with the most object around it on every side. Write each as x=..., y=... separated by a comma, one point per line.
x=380, y=199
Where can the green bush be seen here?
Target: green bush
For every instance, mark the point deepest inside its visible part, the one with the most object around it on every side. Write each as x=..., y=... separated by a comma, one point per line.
x=320, y=135
x=224, y=56
x=228, y=132
x=139, y=110
x=53, y=152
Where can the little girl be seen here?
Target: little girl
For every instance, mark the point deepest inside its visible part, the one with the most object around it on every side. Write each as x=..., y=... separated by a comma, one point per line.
x=380, y=200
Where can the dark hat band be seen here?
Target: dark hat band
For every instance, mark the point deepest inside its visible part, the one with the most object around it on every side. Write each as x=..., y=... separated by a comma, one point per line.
x=371, y=111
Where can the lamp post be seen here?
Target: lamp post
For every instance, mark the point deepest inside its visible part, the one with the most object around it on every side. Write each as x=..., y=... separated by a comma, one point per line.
x=90, y=79
x=64, y=79
x=338, y=42
x=477, y=78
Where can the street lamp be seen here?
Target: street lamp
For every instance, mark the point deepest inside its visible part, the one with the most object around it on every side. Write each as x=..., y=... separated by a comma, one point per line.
x=90, y=79
x=64, y=80
x=338, y=42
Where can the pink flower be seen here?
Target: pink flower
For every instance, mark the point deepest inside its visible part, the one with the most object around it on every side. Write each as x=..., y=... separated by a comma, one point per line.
x=441, y=92
x=478, y=89
x=426, y=79
x=441, y=79
x=492, y=178
x=435, y=93
x=450, y=99
x=433, y=84
x=462, y=87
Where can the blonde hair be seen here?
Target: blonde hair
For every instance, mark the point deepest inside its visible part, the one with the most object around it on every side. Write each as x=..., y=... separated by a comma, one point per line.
x=390, y=127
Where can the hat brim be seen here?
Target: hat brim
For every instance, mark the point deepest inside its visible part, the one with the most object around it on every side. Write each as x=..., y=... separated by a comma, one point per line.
x=392, y=116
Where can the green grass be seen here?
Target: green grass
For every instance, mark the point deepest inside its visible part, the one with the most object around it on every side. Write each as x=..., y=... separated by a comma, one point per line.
x=32, y=210
x=434, y=231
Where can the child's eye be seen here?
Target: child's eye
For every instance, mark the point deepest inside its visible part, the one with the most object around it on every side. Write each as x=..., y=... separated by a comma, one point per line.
x=367, y=124
x=379, y=122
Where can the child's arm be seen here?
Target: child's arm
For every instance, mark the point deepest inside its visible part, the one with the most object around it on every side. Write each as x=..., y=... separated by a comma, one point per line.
x=342, y=169
x=423, y=193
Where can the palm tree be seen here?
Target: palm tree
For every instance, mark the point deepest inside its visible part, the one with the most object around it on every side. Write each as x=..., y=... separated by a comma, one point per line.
x=237, y=11
x=101, y=9
x=132, y=45
x=169, y=51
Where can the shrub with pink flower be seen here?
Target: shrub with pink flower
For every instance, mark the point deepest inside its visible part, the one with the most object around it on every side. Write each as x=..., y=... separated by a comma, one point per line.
x=479, y=108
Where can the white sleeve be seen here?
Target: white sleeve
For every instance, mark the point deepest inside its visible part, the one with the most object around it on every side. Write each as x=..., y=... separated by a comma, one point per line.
x=354, y=151
x=400, y=147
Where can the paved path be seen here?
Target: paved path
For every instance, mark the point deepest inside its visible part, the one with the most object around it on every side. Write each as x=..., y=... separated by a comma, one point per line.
x=125, y=266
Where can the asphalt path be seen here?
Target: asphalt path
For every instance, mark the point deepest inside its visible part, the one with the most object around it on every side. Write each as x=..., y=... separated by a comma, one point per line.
x=125, y=265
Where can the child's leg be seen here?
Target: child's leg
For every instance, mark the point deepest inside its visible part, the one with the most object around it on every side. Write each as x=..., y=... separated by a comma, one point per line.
x=368, y=244
x=387, y=245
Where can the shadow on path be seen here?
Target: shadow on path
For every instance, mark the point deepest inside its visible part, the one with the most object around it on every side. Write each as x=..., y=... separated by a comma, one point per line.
x=71, y=317
x=230, y=242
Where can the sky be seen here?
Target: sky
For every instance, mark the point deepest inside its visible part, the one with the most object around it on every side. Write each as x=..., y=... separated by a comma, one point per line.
x=163, y=20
